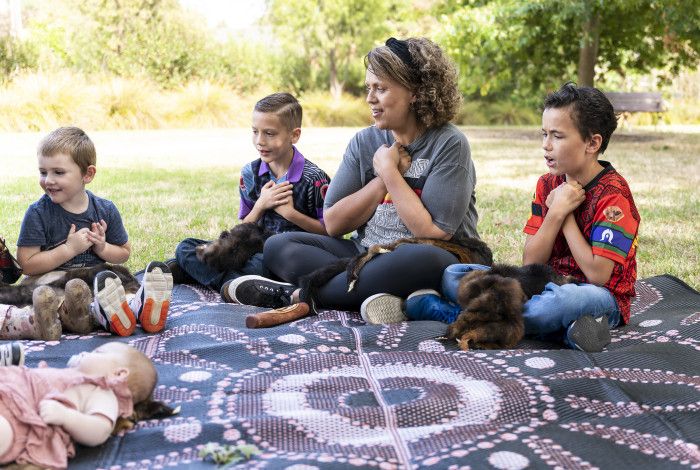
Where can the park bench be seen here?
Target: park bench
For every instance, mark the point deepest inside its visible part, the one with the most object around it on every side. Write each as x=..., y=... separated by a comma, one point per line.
x=625, y=103
x=635, y=102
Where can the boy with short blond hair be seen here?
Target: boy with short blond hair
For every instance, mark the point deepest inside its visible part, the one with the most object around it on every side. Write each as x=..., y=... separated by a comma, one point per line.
x=281, y=191
x=70, y=227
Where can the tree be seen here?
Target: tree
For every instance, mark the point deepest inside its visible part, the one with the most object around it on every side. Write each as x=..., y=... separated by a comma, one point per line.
x=332, y=35
x=505, y=45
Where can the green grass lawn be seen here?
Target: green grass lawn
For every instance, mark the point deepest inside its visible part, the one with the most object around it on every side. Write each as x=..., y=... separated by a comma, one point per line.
x=168, y=194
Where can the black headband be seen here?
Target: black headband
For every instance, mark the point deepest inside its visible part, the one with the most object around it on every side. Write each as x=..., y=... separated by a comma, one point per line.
x=400, y=48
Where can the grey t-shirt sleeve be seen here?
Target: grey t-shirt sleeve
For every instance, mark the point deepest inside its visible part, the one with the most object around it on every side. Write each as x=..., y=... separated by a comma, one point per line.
x=450, y=184
x=348, y=179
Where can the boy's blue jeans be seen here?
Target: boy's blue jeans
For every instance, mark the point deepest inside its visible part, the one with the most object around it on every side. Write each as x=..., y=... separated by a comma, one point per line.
x=548, y=315
x=186, y=257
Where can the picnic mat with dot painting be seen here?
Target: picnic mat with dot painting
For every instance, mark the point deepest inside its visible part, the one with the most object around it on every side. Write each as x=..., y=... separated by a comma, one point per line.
x=329, y=392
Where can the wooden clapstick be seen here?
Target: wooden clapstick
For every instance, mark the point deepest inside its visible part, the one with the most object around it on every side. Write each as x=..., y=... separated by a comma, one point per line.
x=277, y=316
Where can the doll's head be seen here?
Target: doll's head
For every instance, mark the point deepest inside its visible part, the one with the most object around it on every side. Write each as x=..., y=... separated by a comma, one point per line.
x=115, y=359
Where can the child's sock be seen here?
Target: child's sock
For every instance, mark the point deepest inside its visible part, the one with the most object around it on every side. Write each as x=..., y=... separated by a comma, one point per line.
x=427, y=304
x=75, y=310
x=37, y=322
x=152, y=301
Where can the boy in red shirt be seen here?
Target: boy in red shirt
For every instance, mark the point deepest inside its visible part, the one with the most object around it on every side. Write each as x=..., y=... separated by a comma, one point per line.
x=583, y=223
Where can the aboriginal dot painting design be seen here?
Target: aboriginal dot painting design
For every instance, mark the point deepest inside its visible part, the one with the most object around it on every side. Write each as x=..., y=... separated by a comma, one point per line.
x=330, y=392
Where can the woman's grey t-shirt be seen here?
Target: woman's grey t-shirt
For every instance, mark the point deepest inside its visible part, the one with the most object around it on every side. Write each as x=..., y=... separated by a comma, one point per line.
x=441, y=173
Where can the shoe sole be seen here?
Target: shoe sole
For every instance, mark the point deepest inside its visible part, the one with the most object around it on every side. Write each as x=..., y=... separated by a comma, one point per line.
x=380, y=309
x=111, y=299
x=589, y=335
x=75, y=314
x=423, y=292
x=13, y=352
x=157, y=291
x=250, y=277
x=45, y=303
x=19, y=349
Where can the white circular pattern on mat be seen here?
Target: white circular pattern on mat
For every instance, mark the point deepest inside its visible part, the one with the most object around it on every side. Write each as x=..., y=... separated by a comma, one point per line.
x=539, y=362
x=649, y=323
x=301, y=466
x=431, y=346
x=292, y=339
x=506, y=460
x=287, y=395
x=232, y=434
x=183, y=432
x=195, y=376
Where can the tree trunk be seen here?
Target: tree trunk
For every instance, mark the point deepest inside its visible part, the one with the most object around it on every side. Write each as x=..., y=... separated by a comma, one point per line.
x=588, y=52
x=336, y=86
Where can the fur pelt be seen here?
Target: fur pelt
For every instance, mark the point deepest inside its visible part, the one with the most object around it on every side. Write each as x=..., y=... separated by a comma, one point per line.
x=233, y=248
x=21, y=294
x=472, y=251
x=492, y=304
x=147, y=409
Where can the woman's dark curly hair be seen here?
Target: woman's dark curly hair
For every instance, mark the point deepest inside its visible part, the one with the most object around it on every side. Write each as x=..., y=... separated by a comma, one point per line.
x=433, y=79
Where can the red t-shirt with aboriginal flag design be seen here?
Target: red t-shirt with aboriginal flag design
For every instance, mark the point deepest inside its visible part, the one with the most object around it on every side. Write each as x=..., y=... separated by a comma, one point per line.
x=608, y=219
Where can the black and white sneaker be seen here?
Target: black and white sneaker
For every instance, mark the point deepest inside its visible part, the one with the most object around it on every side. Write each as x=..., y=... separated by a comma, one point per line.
x=12, y=354
x=258, y=291
x=589, y=334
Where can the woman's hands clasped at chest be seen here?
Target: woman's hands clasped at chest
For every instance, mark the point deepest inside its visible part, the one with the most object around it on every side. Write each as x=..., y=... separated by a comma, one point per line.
x=389, y=159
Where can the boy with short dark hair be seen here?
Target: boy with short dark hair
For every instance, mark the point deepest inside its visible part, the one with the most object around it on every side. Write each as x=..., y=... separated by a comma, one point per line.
x=70, y=227
x=281, y=191
x=583, y=223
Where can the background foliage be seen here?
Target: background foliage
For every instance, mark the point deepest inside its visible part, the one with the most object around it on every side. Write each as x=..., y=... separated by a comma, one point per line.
x=152, y=63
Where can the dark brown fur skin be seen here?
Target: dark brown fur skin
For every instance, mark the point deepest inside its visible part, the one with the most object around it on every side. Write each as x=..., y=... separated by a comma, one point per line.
x=147, y=409
x=492, y=304
x=233, y=248
x=21, y=294
x=472, y=251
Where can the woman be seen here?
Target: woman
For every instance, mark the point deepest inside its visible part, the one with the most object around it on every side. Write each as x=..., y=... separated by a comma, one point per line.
x=409, y=175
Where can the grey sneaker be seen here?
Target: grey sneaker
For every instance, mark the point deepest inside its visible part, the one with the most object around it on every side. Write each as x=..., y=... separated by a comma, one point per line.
x=109, y=306
x=379, y=309
x=152, y=301
x=589, y=334
x=11, y=354
x=258, y=291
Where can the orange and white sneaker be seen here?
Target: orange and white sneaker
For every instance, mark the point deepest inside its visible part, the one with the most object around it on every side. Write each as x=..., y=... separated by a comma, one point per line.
x=152, y=301
x=109, y=307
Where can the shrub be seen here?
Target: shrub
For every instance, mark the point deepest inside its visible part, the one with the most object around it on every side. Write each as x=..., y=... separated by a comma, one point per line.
x=321, y=110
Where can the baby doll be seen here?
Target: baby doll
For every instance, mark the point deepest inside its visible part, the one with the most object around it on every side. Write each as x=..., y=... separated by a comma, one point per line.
x=43, y=410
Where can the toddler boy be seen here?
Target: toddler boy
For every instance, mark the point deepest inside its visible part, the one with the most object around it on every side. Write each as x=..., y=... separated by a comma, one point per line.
x=70, y=227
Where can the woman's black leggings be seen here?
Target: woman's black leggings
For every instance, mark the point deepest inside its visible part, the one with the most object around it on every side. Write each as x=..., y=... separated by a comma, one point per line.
x=408, y=268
